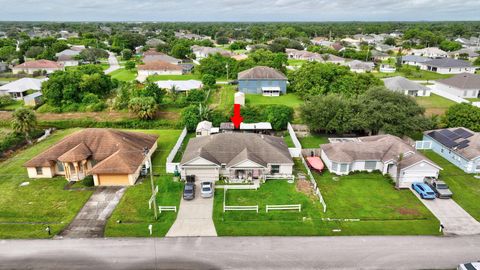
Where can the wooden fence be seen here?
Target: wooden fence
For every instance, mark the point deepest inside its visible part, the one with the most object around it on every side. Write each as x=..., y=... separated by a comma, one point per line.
x=271, y=207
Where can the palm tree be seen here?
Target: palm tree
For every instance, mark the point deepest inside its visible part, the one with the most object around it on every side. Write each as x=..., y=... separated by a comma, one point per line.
x=24, y=121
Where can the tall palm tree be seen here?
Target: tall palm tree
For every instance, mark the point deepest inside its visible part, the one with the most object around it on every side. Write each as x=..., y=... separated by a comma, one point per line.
x=24, y=121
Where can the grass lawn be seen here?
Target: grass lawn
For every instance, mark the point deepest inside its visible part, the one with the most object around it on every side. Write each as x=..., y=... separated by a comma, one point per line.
x=435, y=104
x=313, y=141
x=4, y=132
x=26, y=211
x=414, y=74
x=185, y=77
x=296, y=62
x=8, y=79
x=465, y=187
x=288, y=140
x=222, y=98
x=290, y=100
x=12, y=107
x=180, y=151
x=473, y=99
x=133, y=208
x=124, y=75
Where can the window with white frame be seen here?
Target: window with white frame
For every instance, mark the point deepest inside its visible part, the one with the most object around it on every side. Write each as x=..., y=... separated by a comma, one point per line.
x=275, y=169
x=370, y=165
x=334, y=166
x=343, y=167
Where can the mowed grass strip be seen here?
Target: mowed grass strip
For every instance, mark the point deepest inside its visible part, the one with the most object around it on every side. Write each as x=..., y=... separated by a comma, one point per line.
x=290, y=100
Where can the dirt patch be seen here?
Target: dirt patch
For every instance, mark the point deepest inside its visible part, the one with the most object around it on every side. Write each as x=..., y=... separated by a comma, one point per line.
x=435, y=111
x=408, y=212
x=304, y=187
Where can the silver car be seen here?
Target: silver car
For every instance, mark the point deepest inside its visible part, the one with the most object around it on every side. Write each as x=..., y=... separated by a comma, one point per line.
x=207, y=189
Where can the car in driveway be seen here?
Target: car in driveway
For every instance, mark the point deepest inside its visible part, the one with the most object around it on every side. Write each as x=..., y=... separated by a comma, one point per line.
x=424, y=191
x=207, y=189
x=189, y=191
x=439, y=187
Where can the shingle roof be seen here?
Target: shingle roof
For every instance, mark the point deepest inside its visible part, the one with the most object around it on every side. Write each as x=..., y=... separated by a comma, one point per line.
x=118, y=152
x=447, y=63
x=229, y=148
x=399, y=83
x=39, y=64
x=463, y=81
x=415, y=58
x=262, y=73
x=471, y=151
x=159, y=65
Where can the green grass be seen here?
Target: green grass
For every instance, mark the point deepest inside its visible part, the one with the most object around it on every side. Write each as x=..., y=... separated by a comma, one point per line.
x=290, y=100
x=8, y=79
x=180, y=151
x=414, y=74
x=133, y=208
x=313, y=141
x=296, y=62
x=26, y=211
x=12, y=107
x=288, y=140
x=184, y=77
x=435, y=104
x=465, y=187
x=4, y=132
x=222, y=98
x=124, y=75
x=473, y=99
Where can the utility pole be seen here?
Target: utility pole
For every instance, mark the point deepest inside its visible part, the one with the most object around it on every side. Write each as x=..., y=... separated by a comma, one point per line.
x=227, y=70
x=154, y=194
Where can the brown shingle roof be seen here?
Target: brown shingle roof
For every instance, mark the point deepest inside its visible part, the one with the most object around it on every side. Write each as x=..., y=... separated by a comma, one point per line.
x=116, y=151
x=159, y=65
x=39, y=64
x=261, y=72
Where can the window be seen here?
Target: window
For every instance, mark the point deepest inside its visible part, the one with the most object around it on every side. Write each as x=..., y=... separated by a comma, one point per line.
x=275, y=169
x=39, y=170
x=343, y=167
x=60, y=167
x=334, y=166
x=370, y=165
x=223, y=165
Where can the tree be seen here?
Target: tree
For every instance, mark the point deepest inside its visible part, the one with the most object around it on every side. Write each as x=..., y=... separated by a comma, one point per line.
x=196, y=96
x=24, y=121
x=181, y=49
x=144, y=107
x=216, y=65
x=127, y=54
x=267, y=58
x=129, y=65
x=463, y=115
x=8, y=54
x=34, y=51
x=222, y=40
x=278, y=115
x=208, y=80
x=93, y=54
x=191, y=117
x=152, y=90
x=390, y=41
x=450, y=46
x=477, y=61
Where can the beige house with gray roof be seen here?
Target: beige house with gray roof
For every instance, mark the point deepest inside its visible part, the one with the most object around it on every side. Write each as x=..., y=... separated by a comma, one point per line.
x=378, y=153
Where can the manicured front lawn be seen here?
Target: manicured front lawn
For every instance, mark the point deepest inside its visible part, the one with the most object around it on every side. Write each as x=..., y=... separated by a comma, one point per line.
x=290, y=100
x=435, y=104
x=465, y=187
x=184, y=77
x=124, y=75
x=26, y=211
x=313, y=141
x=133, y=210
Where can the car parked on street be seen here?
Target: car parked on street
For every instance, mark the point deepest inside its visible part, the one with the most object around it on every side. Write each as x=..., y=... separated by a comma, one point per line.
x=189, y=191
x=207, y=189
x=424, y=191
x=439, y=187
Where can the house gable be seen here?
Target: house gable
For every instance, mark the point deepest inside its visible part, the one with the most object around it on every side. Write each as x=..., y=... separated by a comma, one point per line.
x=247, y=164
x=199, y=161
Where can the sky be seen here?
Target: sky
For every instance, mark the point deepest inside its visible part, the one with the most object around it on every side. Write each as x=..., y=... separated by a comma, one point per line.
x=239, y=10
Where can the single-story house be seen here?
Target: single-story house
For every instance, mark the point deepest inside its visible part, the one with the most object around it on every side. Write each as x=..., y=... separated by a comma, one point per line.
x=236, y=157
x=180, y=85
x=379, y=153
x=460, y=146
x=468, y=53
x=406, y=86
x=153, y=56
x=68, y=57
x=448, y=66
x=203, y=52
x=154, y=42
x=37, y=65
x=158, y=68
x=18, y=89
x=262, y=80
x=112, y=157
x=464, y=85
x=414, y=60
x=378, y=56
x=432, y=52
x=360, y=66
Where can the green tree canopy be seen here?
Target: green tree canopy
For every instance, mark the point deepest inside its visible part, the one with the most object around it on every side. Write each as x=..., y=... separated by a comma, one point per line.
x=463, y=115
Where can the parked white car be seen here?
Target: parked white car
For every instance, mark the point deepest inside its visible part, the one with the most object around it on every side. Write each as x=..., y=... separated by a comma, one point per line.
x=207, y=189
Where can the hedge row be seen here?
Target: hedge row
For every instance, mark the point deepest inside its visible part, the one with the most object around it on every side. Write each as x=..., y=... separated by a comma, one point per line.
x=128, y=124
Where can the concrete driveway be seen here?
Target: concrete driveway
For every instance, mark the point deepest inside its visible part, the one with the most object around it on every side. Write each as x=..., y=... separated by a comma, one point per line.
x=455, y=220
x=91, y=220
x=113, y=62
x=194, y=217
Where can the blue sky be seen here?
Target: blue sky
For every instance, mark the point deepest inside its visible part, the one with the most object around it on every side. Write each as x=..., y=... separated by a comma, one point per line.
x=239, y=10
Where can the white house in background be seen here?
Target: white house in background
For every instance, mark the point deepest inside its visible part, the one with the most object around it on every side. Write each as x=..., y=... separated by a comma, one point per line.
x=37, y=65
x=242, y=157
x=67, y=57
x=465, y=85
x=205, y=128
x=379, y=153
x=406, y=86
x=180, y=86
x=448, y=66
x=18, y=89
x=159, y=68
x=360, y=66
x=470, y=53
x=414, y=60
x=432, y=52
x=203, y=52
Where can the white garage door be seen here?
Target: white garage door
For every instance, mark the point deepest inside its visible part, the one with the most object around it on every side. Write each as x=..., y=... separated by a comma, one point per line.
x=203, y=174
x=411, y=177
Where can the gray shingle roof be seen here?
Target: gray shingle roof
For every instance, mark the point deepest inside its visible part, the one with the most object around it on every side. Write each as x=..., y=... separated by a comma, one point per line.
x=261, y=72
x=415, y=58
x=399, y=83
x=447, y=63
x=463, y=81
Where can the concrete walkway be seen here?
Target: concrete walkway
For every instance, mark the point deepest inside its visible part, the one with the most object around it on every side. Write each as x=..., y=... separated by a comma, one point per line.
x=91, y=220
x=113, y=62
x=194, y=217
x=455, y=220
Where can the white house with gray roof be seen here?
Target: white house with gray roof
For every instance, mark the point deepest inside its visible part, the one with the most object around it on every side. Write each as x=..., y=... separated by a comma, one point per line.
x=414, y=60
x=464, y=85
x=406, y=86
x=242, y=157
x=448, y=66
x=379, y=153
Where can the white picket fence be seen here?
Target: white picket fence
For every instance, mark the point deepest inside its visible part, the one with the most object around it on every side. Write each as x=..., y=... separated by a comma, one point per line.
x=240, y=208
x=315, y=186
x=297, y=150
x=167, y=208
x=271, y=207
x=171, y=166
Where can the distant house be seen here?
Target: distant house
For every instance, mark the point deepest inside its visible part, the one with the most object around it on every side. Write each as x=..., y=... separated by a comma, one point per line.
x=19, y=89
x=262, y=80
x=387, y=68
x=112, y=157
x=37, y=66
x=406, y=86
x=448, y=66
x=203, y=52
x=379, y=56
x=205, y=128
x=460, y=146
x=249, y=157
x=34, y=99
x=154, y=42
x=159, y=68
x=68, y=57
x=360, y=66
x=180, y=86
x=467, y=53
x=414, y=60
x=432, y=52
x=153, y=56
x=378, y=153
x=464, y=85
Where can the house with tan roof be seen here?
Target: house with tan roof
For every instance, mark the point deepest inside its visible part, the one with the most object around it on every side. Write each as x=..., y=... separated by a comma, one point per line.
x=236, y=157
x=378, y=153
x=112, y=157
x=158, y=68
x=153, y=56
x=37, y=65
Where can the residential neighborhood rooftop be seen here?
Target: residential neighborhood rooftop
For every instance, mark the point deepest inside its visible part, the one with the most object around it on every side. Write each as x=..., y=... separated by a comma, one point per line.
x=463, y=81
x=261, y=72
x=448, y=63
x=399, y=83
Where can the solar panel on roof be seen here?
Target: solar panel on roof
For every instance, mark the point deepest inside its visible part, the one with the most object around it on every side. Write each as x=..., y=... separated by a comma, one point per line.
x=442, y=139
x=463, y=133
x=463, y=144
x=449, y=134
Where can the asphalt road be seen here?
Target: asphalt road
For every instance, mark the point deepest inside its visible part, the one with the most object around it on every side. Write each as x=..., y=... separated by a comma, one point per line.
x=241, y=253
